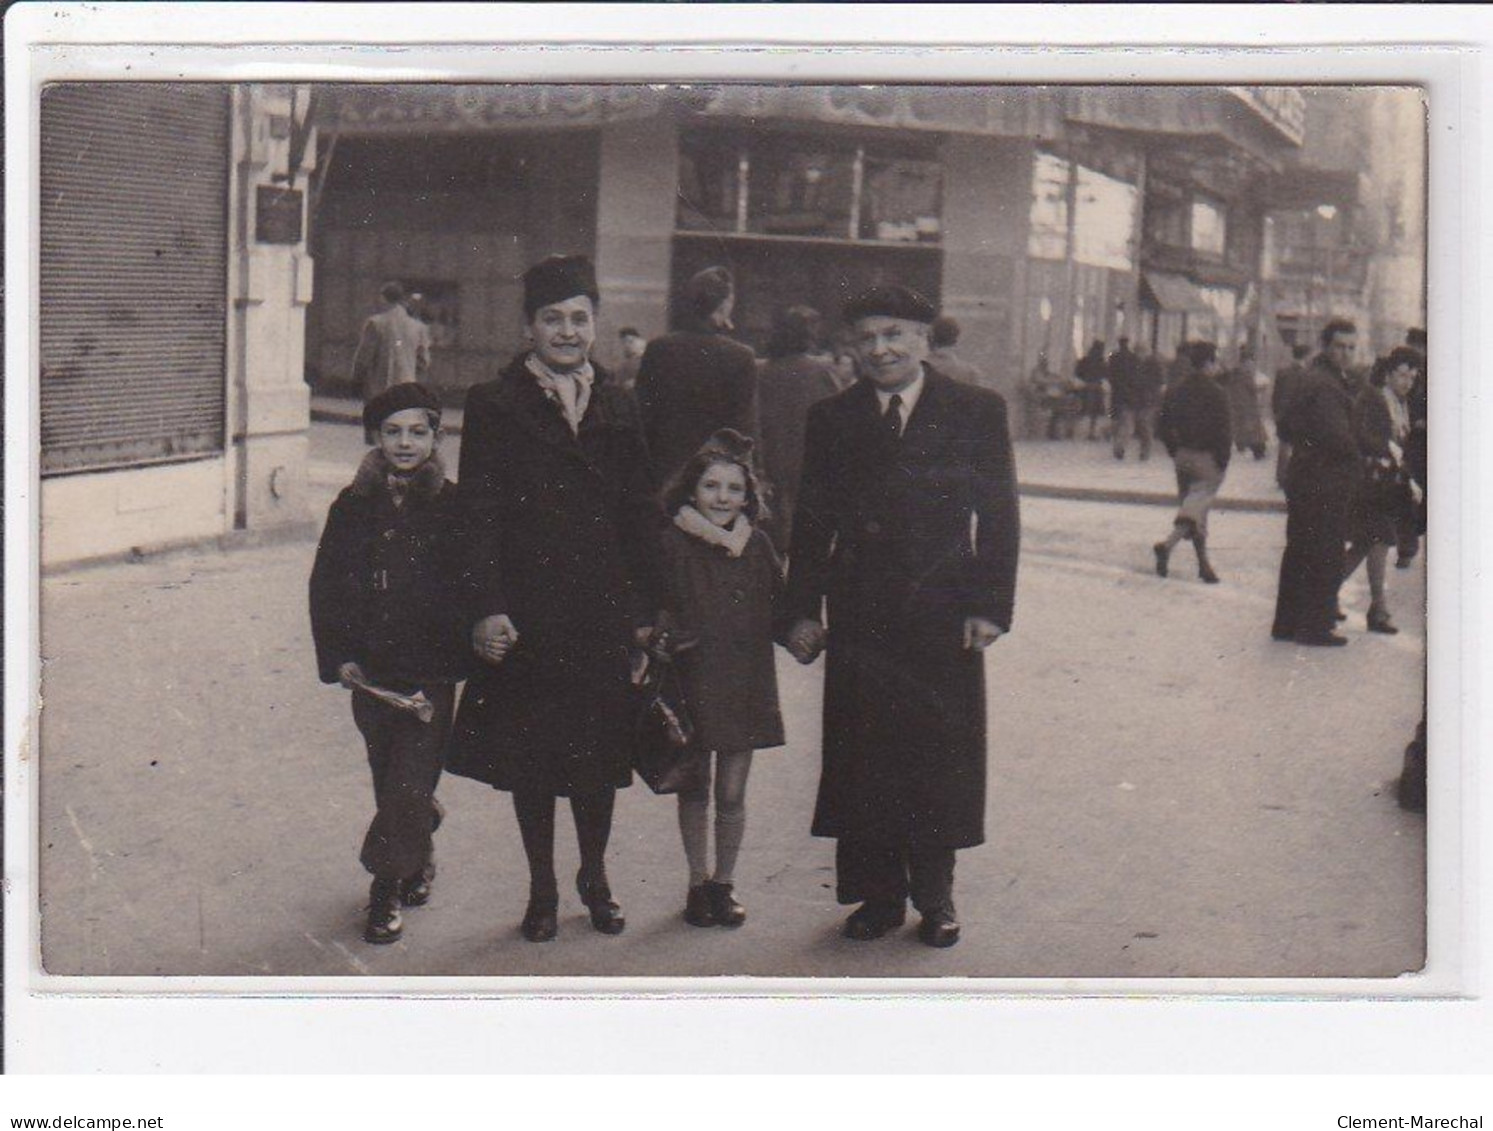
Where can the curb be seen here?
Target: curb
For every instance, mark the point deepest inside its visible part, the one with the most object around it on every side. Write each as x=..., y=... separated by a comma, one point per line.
x=1035, y=490
x=302, y=530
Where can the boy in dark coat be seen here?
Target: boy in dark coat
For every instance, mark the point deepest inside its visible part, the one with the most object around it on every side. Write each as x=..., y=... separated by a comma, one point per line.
x=384, y=612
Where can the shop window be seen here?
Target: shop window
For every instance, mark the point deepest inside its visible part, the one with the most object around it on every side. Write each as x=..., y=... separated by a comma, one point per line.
x=1048, y=237
x=801, y=186
x=900, y=201
x=1104, y=221
x=1105, y=224
x=709, y=180
x=1208, y=234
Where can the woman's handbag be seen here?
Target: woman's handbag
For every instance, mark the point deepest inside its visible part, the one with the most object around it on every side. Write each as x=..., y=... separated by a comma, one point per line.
x=664, y=752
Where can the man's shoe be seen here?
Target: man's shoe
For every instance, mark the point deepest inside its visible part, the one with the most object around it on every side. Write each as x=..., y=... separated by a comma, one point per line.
x=723, y=906
x=1321, y=639
x=1338, y=615
x=697, y=909
x=1207, y=574
x=1162, y=552
x=870, y=921
x=1403, y=562
x=384, y=924
x=541, y=923
x=1281, y=634
x=938, y=929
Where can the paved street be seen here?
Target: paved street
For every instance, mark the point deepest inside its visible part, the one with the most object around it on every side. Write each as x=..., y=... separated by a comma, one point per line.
x=1171, y=793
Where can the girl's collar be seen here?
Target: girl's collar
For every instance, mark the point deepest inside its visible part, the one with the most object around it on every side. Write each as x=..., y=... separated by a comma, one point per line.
x=732, y=539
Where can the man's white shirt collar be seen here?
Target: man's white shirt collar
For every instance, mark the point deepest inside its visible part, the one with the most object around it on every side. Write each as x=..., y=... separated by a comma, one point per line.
x=909, y=397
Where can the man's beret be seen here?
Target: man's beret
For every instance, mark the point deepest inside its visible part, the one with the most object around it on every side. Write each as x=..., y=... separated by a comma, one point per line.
x=397, y=398
x=890, y=302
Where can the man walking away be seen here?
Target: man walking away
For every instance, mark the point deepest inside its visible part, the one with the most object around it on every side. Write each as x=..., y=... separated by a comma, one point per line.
x=1195, y=428
x=1150, y=379
x=1124, y=371
x=1321, y=479
x=394, y=347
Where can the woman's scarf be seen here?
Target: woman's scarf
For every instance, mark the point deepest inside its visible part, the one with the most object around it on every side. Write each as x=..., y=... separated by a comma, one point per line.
x=733, y=538
x=571, y=391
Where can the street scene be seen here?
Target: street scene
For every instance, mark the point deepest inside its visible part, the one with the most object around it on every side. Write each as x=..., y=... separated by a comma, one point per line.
x=997, y=513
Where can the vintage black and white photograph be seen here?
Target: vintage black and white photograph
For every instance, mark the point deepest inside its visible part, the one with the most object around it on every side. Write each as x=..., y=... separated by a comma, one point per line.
x=753, y=530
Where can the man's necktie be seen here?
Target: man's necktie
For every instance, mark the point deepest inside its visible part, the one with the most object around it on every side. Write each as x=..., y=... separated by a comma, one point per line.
x=894, y=417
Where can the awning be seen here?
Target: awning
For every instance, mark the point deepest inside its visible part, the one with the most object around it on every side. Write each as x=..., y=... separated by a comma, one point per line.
x=1174, y=293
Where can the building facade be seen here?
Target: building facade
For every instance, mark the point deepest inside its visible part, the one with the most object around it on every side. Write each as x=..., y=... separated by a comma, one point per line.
x=1040, y=217
x=173, y=288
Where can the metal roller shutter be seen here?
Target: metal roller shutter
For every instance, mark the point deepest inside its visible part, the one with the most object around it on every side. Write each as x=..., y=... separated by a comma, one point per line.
x=134, y=246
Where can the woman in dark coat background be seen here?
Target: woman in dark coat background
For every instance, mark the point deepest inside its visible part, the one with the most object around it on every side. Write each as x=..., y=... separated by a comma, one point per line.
x=1092, y=371
x=791, y=380
x=564, y=578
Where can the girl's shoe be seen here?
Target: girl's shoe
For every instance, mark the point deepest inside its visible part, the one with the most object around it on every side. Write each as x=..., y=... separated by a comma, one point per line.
x=1380, y=622
x=384, y=923
x=723, y=906
x=698, y=911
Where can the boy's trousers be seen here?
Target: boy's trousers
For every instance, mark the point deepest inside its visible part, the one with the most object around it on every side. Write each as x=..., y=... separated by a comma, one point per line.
x=406, y=757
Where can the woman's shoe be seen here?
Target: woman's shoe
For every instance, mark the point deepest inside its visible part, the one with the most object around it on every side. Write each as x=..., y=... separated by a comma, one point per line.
x=384, y=923
x=606, y=916
x=1206, y=573
x=698, y=911
x=541, y=923
x=723, y=905
x=1162, y=552
x=1380, y=622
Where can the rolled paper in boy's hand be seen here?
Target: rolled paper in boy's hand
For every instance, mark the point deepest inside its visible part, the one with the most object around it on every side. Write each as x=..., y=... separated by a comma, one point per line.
x=415, y=704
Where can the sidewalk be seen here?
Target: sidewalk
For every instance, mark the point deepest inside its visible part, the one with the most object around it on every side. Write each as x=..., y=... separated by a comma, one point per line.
x=1060, y=469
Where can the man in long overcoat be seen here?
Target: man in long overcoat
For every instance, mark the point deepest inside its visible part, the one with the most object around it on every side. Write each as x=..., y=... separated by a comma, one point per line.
x=907, y=529
x=394, y=346
x=1322, y=478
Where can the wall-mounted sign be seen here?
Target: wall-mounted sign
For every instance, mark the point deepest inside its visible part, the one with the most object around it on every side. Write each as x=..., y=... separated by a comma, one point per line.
x=277, y=215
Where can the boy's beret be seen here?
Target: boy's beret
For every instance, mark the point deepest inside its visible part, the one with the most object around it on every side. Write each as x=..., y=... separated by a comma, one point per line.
x=397, y=398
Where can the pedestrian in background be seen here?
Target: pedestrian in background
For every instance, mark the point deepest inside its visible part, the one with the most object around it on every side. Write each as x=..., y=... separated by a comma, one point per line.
x=1243, y=385
x=1150, y=381
x=1124, y=373
x=386, y=611
x=564, y=582
x=1091, y=370
x=394, y=346
x=1322, y=479
x=1416, y=455
x=1196, y=431
x=906, y=538
x=792, y=379
x=724, y=585
x=697, y=380
x=1381, y=423
x=943, y=337
x=1287, y=379
x=633, y=344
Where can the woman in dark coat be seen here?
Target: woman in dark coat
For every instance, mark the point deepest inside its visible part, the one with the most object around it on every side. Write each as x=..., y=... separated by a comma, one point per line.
x=791, y=380
x=564, y=579
x=1244, y=405
x=1381, y=423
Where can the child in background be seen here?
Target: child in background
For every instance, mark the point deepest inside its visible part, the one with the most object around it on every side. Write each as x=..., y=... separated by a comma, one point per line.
x=724, y=578
x=385, y=611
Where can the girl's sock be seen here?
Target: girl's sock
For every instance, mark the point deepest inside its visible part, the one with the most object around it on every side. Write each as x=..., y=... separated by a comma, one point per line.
x=694, y=830
x=730, y=812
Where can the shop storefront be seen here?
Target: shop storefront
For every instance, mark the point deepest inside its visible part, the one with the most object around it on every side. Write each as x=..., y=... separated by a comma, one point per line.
x=173, y=283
